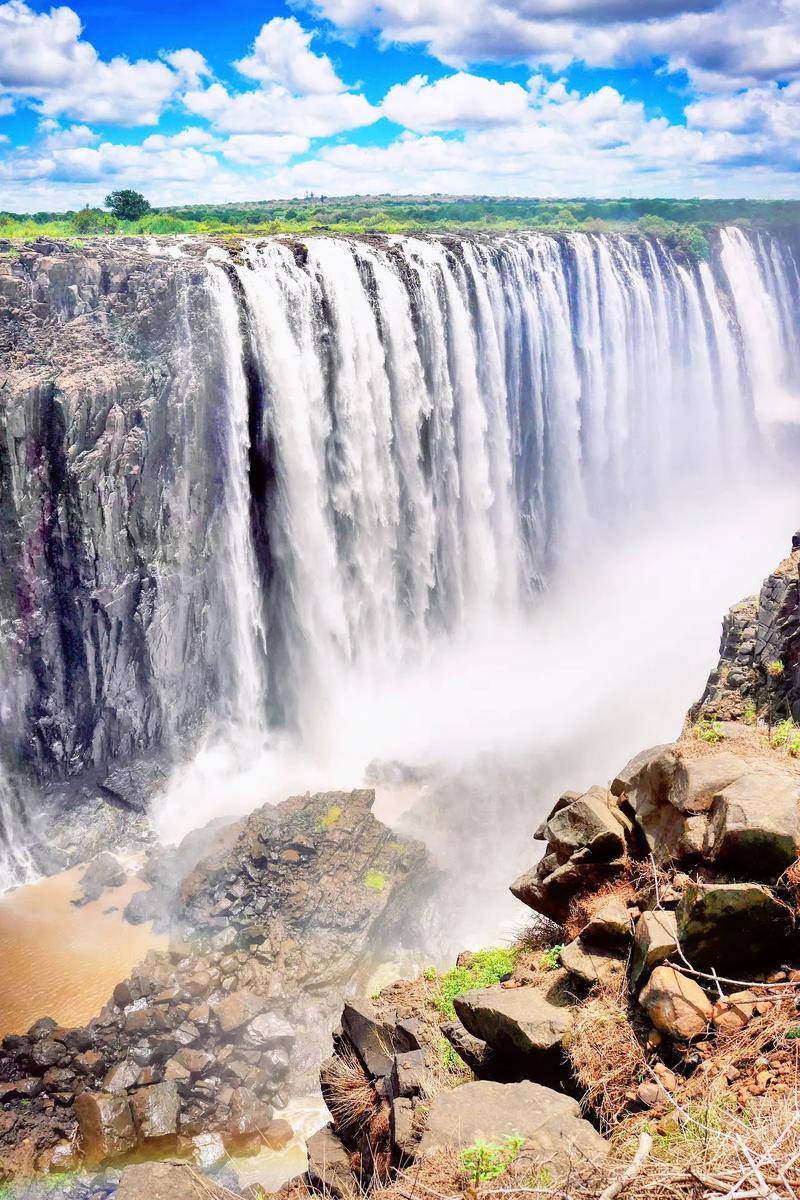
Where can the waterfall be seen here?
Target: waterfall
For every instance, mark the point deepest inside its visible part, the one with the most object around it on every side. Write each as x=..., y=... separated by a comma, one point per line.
x=442, y=426
x=244, y=689
x=449, y=421
x=16, y=863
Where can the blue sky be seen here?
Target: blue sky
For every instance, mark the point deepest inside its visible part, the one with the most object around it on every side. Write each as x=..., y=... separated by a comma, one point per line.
x=238, y=101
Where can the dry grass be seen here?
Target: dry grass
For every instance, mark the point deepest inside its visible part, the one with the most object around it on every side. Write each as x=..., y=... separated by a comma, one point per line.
x=349, y=1092
x=607, y=1057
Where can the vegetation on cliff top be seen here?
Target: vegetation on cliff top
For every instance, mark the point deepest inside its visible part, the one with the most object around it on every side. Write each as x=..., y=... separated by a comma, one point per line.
x=682, y=224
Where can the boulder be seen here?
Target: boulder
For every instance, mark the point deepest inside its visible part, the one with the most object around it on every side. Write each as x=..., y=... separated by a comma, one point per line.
x=587, y=823
x=556, y=1136
x=371, y=1037
x=655, y=938
x=733, y=1012
x=155, y=1110
x=473, y=1051
x=654, y=765
x=591, y=964
x=269, y=1030
x=553, y=892
x=514, y=1020
x=237, y=1009
x=106, y=1125
x=675, y=1004
x=409, y=1075
x=165, y=1181
x=405, y=1138
x=755, y=824
x=248, y=1113
x=610, y=925
x=329, y=1165
x=104, y=871
x=732, y=926
x=277, y=1135
x=696, y=781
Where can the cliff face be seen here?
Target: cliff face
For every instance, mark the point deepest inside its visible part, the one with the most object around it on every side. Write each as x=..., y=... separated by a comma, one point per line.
x=108, y=490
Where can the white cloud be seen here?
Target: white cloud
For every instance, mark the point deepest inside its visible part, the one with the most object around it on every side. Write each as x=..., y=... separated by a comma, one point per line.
x=254, y=149
x=45, y=61
x=281, y=54
x=274, y=110
x=458, y=101
x=720, y=43
x=566, y=145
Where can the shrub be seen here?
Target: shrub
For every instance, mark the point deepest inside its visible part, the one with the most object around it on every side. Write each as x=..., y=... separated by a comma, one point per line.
x=375, y=880
x=485, y=1161
x=750, y=712
x=484, y=968
x=93, y=220
x=709, y=730
x=775, y=668
x=549, y=958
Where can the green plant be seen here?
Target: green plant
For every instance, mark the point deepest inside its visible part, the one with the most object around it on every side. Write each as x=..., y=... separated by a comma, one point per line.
x=792, y=1033
x=430, y=973
x=331, y=817
x=750, y=712
x=485, y=1161
x=483, y=968
x=787, y=735
x=127, y=205
x=375, y=880
x=549, y=959
x=450, y=1059
x=709, y=730
x=775, y=668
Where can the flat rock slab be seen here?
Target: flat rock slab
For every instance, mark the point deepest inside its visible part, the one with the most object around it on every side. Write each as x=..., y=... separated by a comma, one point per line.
x=166, y=1181
x=514, y=1020
x=551, y=1123
x=610, y=925
x=591, y=964
x=697, y=780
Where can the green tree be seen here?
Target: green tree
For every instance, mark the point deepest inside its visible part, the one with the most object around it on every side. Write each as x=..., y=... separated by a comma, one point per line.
x=127, y=205
x=93, y=220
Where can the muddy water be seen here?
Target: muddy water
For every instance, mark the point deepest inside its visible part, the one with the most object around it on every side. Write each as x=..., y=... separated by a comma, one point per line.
x=60, y=961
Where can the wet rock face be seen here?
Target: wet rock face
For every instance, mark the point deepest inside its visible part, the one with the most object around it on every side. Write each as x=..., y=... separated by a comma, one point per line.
x=108, y=493
x=760, y=650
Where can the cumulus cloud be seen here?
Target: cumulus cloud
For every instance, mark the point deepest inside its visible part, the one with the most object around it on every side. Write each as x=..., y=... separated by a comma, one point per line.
x=719, y=43
x=281, y=54
x=45, y=60
x=458, y=101
x=256, y=149
x=275, y=110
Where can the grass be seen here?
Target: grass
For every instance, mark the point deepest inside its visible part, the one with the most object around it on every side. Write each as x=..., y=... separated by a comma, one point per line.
x=450, y=1059
x=483, y=969
x=750, y=713
x=375, y=881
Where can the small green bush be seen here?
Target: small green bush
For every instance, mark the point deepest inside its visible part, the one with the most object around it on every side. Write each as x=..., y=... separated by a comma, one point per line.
x=549, y=958
x=485, y=1161
x=775, y=668
x=709, y=730
x=485, y=967
x=750, y=712
x=450, y=1059
x=375, y=880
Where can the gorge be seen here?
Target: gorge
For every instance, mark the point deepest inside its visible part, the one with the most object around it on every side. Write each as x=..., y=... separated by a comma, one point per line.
x=234, y=481
x=450, y=517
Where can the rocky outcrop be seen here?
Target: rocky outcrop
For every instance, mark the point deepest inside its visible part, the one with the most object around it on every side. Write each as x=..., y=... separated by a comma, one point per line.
x=208, y=1037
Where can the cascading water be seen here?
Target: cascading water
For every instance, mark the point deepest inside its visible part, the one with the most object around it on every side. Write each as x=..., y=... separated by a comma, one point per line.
x=446, y=426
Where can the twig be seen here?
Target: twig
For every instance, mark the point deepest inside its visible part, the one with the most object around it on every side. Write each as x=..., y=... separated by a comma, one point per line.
x=630, y=1173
